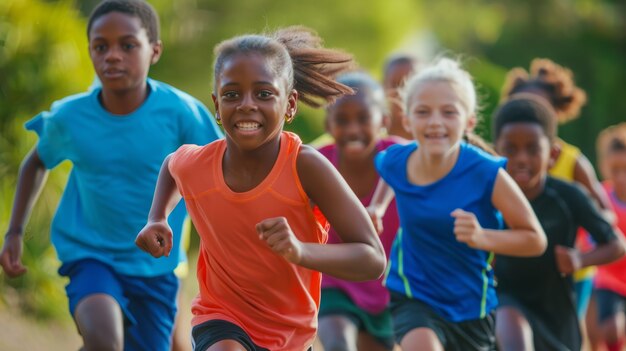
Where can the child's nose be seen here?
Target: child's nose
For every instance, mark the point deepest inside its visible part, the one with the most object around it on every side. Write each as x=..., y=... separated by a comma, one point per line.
x=352, y=128
x=247, y=103
x=435, y=119
x=522, y=157
x=113, y=54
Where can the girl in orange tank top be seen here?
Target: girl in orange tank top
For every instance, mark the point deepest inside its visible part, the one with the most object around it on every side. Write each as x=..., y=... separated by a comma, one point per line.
x=251, y=197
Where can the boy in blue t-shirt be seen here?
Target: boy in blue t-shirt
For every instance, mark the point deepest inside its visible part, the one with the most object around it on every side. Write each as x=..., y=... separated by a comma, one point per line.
x=116, y=136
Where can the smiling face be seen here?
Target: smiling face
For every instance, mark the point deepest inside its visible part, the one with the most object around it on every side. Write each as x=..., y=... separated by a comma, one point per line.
x=527, y=148
x=355, y=121
x=437, y=117
x=252, y=100
x=121, y=52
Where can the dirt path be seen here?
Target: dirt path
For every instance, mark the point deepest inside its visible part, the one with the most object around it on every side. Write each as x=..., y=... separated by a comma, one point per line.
x=19, y=333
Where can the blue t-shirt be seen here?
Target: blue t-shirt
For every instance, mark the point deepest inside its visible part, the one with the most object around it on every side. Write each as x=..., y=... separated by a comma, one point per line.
x=116, y=162
x=427, y=262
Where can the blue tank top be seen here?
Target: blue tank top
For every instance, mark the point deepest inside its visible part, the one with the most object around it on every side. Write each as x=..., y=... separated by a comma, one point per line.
x=427, y=263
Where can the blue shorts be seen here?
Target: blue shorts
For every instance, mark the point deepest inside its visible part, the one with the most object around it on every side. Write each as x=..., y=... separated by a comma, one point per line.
x=148, y=303
x=609, y=304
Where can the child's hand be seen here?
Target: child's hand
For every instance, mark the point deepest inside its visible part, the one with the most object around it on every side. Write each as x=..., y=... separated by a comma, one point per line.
x=155, y=238
x=10, y=257
x=377, y=220
x=567, y=259
x=279, y=237
x=467, y=229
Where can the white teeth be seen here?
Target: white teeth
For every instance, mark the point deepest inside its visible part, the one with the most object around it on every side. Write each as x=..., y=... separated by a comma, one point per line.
x=248, y=125
x=354, y=145
x=521, y=173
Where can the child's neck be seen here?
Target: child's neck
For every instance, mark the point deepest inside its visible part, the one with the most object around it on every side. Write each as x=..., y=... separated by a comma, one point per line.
x=355, y=165
x=537, y=190
x=125, y=102
x=244, y=170
x=360, y=174
x=424, y=168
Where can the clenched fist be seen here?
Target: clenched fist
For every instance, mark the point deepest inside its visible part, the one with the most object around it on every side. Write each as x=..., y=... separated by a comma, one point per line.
x=11, y=255
x=280, y=238
x=467, y=229
x=155, y=238
x=567, y=259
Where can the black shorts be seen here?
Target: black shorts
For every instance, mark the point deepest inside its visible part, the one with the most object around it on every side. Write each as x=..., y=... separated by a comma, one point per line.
x=409, y=314
x=609, y=303
x=208, y=333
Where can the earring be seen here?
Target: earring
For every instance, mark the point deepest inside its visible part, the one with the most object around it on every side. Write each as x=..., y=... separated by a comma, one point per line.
x=218, y=120
x=288, y=118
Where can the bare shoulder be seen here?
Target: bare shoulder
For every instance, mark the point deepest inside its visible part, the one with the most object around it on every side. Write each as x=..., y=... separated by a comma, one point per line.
x=311, y=163
x=309, y=158
x=315, y=171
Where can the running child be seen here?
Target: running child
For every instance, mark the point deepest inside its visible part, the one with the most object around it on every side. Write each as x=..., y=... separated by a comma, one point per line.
x=251, y=197
x=396, y=70
x=116, y=137
x=556, y=84
x=610, y=279
x=355, y=315
x=537, y=307
x=451, y=198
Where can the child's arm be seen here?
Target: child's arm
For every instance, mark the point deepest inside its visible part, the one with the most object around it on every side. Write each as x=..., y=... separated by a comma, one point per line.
x=31, y=178
x=608, y=238
x=383, y=194
x=586, y=175
x=525, y=236
x=569, y=260
x=156, y=237
x=360, y=256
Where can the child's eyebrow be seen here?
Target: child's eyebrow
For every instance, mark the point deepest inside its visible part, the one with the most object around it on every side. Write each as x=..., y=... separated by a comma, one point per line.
x=129, y=36
x=229, y=84
x=124, y=37
x=260, y=82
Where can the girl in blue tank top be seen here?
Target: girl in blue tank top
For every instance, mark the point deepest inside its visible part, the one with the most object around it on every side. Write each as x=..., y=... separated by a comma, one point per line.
x=452, y=199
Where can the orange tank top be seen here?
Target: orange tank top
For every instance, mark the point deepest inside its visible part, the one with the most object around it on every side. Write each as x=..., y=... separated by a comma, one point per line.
x=240, y=279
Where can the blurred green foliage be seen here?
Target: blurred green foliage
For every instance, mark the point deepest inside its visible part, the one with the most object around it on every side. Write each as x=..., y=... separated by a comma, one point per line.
x=43, y=57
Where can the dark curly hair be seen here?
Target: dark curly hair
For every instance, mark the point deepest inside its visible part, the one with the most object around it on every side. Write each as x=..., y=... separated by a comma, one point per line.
x=556, y=81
